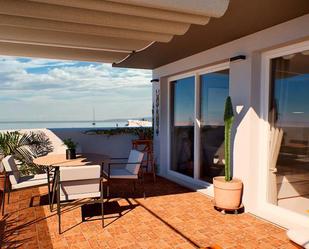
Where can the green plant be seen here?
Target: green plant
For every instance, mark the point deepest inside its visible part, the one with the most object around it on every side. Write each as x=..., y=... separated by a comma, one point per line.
x=24, y=147
x=141, y=132
x=228, y=123
x=70, y=143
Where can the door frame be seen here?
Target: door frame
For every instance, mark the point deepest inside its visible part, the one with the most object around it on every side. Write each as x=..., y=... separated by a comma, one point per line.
x=196, y=73
x=284, y=217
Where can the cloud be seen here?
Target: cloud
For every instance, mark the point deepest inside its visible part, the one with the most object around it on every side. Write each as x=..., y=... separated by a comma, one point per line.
x=15, y=75
x=58, y=84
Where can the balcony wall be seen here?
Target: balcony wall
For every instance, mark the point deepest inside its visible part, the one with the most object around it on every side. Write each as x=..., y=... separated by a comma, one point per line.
x=114, y=146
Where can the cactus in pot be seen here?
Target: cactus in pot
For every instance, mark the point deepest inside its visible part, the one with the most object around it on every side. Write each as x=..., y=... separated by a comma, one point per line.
x=227, y=190
x=228, y=123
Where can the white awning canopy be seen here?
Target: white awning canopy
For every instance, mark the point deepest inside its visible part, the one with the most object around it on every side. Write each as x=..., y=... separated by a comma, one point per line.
x=97, y=30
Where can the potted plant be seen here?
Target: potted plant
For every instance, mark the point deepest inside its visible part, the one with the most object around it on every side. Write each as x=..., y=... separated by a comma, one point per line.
x=71, y=148
x=227, y=190
x=23, y=147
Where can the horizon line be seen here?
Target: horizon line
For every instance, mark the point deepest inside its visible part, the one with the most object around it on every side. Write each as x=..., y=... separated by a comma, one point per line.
x=68, y=121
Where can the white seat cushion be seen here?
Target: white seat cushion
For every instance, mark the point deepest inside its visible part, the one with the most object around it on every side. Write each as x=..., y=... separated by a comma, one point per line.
x=122, y=173
x=30, y=181
x=299, y=236
x=80, y=182
x=134, y=161
x=11, y=168
x=80, y=172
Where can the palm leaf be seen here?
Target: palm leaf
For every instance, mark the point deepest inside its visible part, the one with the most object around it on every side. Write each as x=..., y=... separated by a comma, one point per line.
x=25, y=146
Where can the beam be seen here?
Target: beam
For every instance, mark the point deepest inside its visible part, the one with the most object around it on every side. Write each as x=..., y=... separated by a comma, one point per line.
x=83, y=16
x=211, y=8
x=34, y=23
x=132, y=10
x=26, y=50
x=69, y=40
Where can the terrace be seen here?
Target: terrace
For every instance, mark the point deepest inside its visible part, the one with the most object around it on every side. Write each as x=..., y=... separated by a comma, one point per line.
x=170, y=217
x=183, y=45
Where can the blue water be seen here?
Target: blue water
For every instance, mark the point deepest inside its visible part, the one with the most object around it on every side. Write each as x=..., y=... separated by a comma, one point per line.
x=70, y=124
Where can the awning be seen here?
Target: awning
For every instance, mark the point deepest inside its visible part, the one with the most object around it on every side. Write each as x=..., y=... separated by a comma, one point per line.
x=97, y=30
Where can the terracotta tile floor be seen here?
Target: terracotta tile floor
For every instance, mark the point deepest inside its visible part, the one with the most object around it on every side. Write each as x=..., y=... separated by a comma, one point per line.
x=170, y=217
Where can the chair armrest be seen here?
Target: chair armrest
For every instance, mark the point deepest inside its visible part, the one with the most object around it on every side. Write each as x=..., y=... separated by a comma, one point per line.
x=108, y=160
x=12, y=172
x=80, y=180
x=118, y=158
x=122, y=163
x=113, y=164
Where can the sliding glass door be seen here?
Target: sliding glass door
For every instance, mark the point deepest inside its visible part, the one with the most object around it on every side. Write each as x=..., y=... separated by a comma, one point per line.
x=182, y=125
x=196, y=123
x=214, y=91
x=289, y=118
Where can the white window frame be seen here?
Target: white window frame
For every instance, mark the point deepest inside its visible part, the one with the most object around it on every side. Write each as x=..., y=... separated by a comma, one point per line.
x=196, y=73
x=279, y=215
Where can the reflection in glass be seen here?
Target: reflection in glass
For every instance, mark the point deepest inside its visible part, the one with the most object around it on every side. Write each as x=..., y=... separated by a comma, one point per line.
x=214, y=91
x=182, y=125
x=289, y=113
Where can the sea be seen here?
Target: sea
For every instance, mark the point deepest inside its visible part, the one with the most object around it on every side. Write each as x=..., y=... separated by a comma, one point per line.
x=17, y=125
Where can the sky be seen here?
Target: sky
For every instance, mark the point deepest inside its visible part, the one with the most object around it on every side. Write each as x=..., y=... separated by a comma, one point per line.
x=51, y=90
x=214, y=90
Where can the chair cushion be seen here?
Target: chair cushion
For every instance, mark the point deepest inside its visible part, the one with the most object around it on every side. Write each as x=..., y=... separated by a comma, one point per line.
x=80, y=172
x=72, y=190
x=78, y=182
x=11, y=167
x=134, y=157
x=299, y=236
x=30, y=181
x=122, y=173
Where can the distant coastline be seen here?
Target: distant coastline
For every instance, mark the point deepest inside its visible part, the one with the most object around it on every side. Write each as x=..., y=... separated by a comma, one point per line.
x=31, y=124
x=70, y=121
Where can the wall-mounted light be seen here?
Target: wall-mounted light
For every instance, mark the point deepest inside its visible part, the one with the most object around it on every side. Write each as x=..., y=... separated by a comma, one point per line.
x=154, y=80
x=237, y=58
x=306, y=52
x=288, y=57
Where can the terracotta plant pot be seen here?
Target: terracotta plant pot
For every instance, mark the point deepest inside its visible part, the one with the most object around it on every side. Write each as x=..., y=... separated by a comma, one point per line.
x=227, y=195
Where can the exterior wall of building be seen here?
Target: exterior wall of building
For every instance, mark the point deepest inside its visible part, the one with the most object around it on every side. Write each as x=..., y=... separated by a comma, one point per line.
x=246, y=93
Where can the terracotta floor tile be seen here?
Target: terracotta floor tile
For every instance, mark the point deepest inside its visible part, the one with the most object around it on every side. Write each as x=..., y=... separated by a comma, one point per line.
x=170, y=217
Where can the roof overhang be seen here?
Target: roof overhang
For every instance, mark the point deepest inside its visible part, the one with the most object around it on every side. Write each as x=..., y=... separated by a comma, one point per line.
x=243, y=17
x=97, y=30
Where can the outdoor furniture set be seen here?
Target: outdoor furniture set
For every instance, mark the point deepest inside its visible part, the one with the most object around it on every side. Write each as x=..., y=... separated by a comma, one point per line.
x=74, y=179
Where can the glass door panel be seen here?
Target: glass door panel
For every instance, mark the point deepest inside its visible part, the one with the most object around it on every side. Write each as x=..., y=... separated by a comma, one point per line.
x=289, y=118
x=214, y=90
x=182, y=126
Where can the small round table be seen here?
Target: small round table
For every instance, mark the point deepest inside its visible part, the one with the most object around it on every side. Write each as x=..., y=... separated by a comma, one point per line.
x=59, y=160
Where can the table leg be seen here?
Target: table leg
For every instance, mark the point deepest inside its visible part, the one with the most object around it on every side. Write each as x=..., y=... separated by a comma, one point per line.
x=48, y=185
x=54, y=185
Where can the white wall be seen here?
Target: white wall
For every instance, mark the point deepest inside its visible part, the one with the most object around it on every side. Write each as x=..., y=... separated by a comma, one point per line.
x=114, y=146
x=245, y=90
